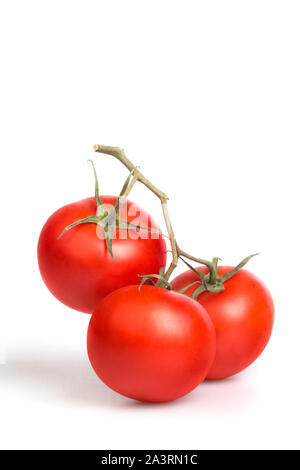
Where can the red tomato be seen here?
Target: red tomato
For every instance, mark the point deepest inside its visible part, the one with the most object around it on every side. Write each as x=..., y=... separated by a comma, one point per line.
x=243, y=317
x=78, y=269
x=151, y=345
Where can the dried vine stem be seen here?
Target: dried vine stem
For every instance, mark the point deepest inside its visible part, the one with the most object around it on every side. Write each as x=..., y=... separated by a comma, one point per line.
x=118, y=153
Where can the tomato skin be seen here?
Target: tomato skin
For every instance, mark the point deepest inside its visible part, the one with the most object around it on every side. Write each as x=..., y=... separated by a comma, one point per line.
x=151, y=345
x=242, y=314
x=78, y=269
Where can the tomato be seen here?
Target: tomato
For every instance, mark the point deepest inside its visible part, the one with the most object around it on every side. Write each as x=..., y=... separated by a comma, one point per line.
x=78, y=268
x=243, y=317
x=152, y=344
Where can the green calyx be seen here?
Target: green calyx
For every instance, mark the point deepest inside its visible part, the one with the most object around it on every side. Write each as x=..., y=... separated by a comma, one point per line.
x=210, y=282
x=109, y=220
x=148, y=279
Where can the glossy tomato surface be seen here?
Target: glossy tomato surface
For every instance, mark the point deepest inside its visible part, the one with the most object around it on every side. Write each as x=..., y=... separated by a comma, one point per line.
x=242, y=314
x=151, y=345
x=78, y=269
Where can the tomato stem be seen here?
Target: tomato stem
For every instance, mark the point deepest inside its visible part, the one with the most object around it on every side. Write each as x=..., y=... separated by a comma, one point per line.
x=118, y=153
x=213, y=283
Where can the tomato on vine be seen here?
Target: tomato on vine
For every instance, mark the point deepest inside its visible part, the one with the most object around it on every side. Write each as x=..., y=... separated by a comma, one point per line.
x=242, y=314
x=90, y=248
x=150, y=344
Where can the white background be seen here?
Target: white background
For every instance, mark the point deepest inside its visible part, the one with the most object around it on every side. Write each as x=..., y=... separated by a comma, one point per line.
x=205, y=97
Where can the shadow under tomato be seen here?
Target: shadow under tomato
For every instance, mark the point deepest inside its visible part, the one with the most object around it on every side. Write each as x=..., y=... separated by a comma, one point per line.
x=211, y=397
x=69, y=378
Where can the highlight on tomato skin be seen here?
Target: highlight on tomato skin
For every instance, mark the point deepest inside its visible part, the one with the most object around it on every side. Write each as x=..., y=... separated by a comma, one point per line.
x=242, y=314
x=77, y=267
x=150, y=344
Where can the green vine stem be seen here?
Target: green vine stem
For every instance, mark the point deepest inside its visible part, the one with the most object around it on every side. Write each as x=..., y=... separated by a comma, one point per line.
x=118, y=153
x=213, y=282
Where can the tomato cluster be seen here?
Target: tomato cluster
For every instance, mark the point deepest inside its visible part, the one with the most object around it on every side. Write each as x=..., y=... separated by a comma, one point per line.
x=150, y=341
